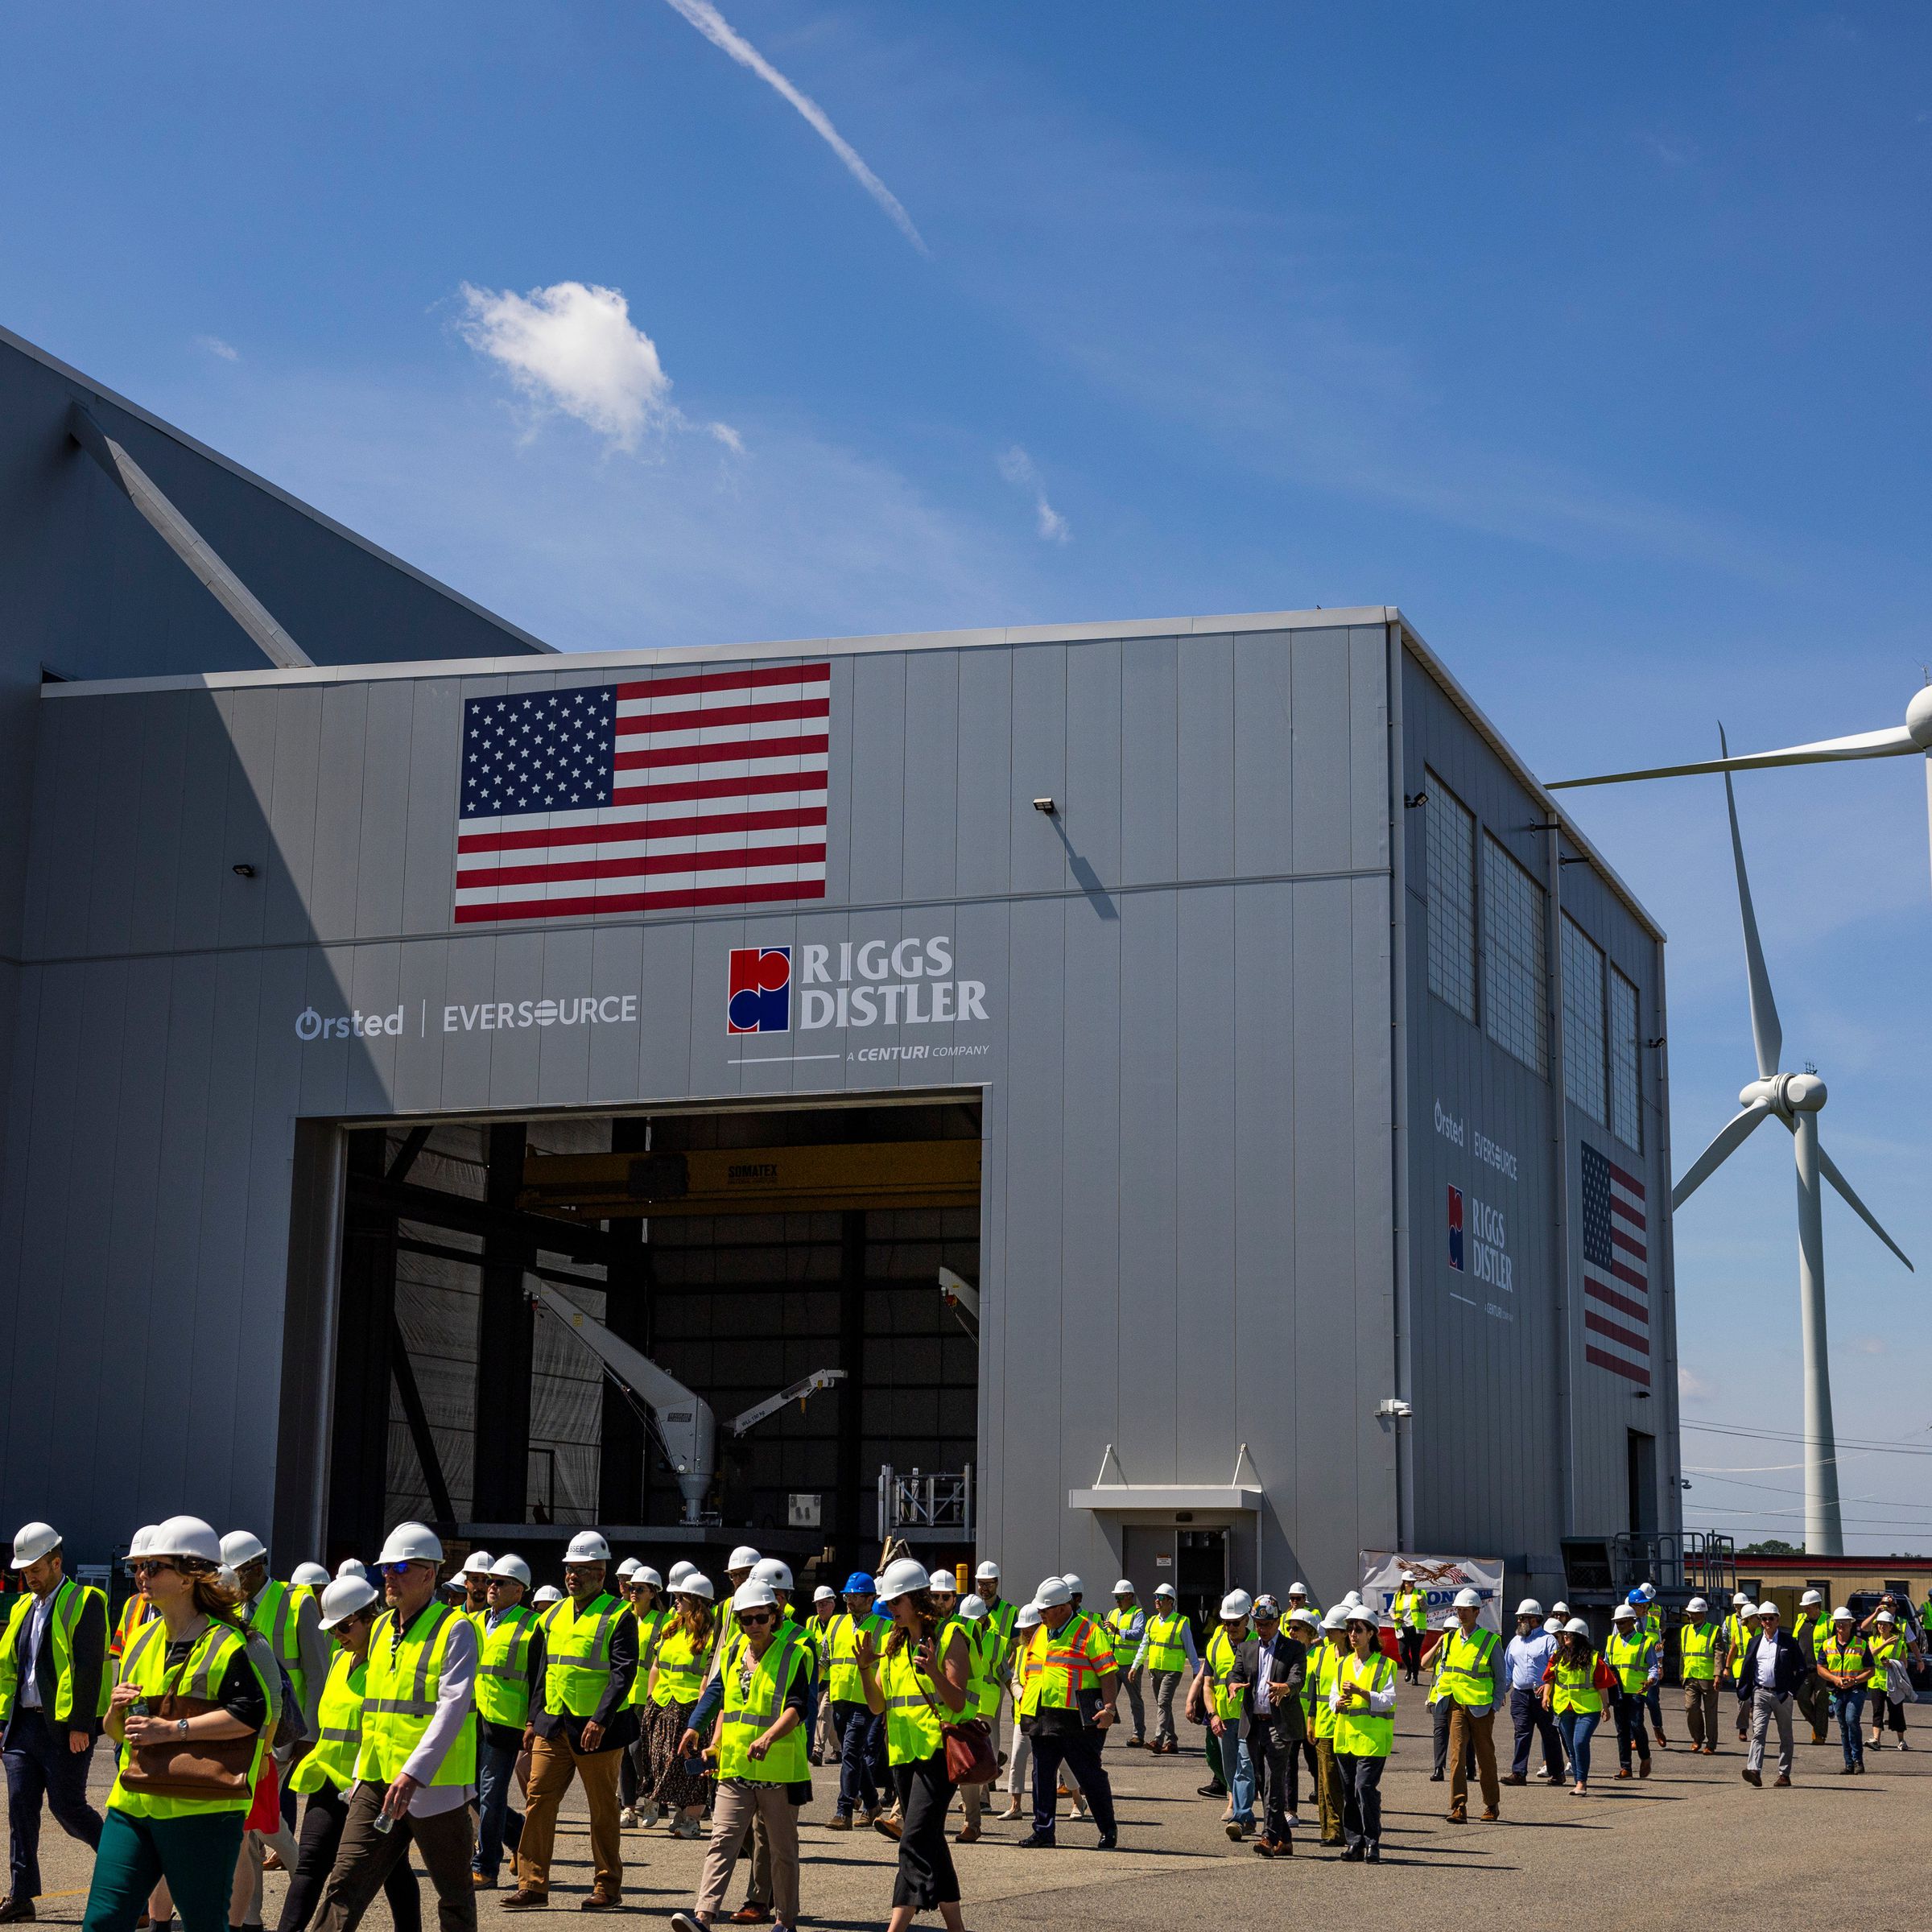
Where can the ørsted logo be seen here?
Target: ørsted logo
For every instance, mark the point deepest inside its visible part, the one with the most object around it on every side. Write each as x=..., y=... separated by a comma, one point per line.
x=313, y=1025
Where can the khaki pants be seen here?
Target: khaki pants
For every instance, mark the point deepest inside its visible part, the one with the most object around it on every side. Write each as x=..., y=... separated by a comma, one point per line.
x=365, y=1858
x=739, y=1803
x=552, y=1766
x=1700, y=1710
x=1328, y=1791
x=1468, y=1727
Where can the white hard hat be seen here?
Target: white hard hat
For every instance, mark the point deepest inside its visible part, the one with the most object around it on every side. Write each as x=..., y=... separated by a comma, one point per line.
x=1302, y=1614
x=825, y=1594
x=1528, y=1606
x=352, y=1565
x=1053, y=1590
x=943, y=1581
x=410, y=1543
x=1747, y=1610
x=344, y=1597
x=1559, y=1609
x=1265, y=1605
x=1163, y=1589
x=644, y=1574
x=1334, y=1618
x=1696, y=1606
x=989, y=1570
x=1027, y=1617
x=586, y=1546
x=511, y=1567
x=1768, y=1608
x=1841, y=1612
x=1467, y=1598
x=902, y=1577
x=1450, y=1621
x=679, y=1572
x=1622, y=1613
x=1576, y=1627
x=138, y=1546
x=1298, y=1589
x=241, y=1547
x=32, y=1542
x=311, y=1576
x=1649, y=1591
x=743, y=1557
x=549, y=1594
x=1553, y=1624
x=1236, y=1603
x=1354, y=1596
x=179, y=1536
x=1361, y=1613
x=627, y=1568
x=754, y=1594
x=1123, y=1588
x=477, y=1563
x=1884, y=1616
x=697, y=1583
x=1074, y=1584
x=1810, y=1596
x=973, y=1606
x=769, y=1570
x=1738, y=1598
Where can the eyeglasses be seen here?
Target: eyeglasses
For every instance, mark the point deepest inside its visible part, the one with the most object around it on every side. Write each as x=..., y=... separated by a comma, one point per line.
x=147, y=1566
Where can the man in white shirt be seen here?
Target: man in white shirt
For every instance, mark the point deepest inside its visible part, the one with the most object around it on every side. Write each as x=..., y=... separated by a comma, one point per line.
x=1524, y=1660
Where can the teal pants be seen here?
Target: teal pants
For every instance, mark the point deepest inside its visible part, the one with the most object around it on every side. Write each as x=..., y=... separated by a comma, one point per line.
x=196, y=1854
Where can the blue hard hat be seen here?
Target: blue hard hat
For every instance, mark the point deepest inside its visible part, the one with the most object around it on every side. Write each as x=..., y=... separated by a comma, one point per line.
x=860, y=1584
x=1637, y=1599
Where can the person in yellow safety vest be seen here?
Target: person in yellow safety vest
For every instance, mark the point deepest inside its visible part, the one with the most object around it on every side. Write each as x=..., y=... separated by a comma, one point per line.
x=416, y=1765
x=676, y=1681
x=1575, y=1682
x=1225, y=1687
x=474, y=1577
x=1324, y=1666
x=1738, y=1633
x=1844, y=1663
x=1470, y=1656
x=1442, y=1706
x=818, y=1628
x=919, y=1681
x=289, y=1624
x=511, y=1660
x=1168, y=1654
x=54, y=1685
x=192, y=1648
x=1698, y=1641
x=983, y=1658
x=759, y=1737
x=1001, y=1613
x=1650, y=1616
x=347, y=1610
x=1363, y=1700
x=1814, y=1699
x=1632, y=1654
x=137, y=1610
x=861, y=1733
x=1127, y=1631
x=644, y=1589
x=1888, y=1646
x=1410, y=1612
x=1069, y=1699
x=580, y=1720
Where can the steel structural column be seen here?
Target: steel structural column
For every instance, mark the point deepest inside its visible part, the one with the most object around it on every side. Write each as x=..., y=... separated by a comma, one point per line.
x=358, y=1490
x=624, y=1448
x=505, y=1345
x=848, y=1512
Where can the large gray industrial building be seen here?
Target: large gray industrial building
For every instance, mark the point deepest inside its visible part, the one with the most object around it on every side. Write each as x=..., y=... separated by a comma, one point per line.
x=1222, y=998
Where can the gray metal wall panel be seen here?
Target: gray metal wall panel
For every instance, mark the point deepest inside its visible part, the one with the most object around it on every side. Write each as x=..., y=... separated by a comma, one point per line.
x=200, y=867
x=1265, y=737
x=332, y=898
x=288, y=859
x=1204, y=772
x=1091, y=816
x=388, y=777
x=1150, y=673
x=878, y=736
x=1039, y=769
x=436, y=767
x=934, y=776
x=988, y=799
x=1319, y=671
x=243, y=903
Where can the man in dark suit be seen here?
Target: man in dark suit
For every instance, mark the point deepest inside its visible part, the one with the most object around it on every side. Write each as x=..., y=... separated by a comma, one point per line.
x=1275, y=1667
x=1775, y=1665
x=53, y=1649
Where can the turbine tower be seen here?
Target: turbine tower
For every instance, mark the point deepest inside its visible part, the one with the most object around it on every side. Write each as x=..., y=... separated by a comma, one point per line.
x=1796, y=1099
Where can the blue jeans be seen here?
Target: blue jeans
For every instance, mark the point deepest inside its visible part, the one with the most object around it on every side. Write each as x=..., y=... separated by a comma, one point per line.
x=1848, y=1707
x=496, y=1824
x=861, y=1745
x=1238, y=1767
x=1630, y=1728
x=1579, y=1727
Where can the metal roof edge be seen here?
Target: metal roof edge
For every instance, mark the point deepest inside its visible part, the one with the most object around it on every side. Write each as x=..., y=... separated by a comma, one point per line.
x=1413, y=642
x=984, y=638
x=33, y=352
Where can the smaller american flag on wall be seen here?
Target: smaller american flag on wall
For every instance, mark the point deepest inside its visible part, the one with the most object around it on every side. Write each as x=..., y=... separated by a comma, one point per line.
x=1616, y=1269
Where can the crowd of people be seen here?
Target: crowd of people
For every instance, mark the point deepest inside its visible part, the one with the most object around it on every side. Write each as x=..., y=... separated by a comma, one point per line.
x=398, y=1717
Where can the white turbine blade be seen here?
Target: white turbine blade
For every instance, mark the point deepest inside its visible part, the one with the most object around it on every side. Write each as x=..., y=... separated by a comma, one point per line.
x=1730, y=1138
x=1828, y=1168
x=1767, y=1033
x=1888, y=743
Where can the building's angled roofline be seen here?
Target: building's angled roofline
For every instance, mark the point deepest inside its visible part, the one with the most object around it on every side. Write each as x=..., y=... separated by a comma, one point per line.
x=89, y=386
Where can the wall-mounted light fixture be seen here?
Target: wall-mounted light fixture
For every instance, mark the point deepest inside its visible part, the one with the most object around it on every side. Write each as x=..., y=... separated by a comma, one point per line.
x=1045, y=805
x=243, y=872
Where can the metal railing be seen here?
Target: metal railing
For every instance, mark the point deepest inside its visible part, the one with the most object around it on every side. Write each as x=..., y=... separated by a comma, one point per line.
x=926, y=1508
x=1694, y=1562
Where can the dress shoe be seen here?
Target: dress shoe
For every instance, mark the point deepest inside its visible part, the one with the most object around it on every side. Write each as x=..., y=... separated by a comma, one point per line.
x=1354, y=1855
x=1109, y=1841
x=749, y=1914
x=967, y=1835
x=1273, y=1847
x=1517, y=1777
x=1435, y=1777
x=1643, y=1768
x=520, y=1901
x=1753, y=1777
x=601, y=1900
x=1373, y=1857
x=1624, y=1772
x=1040, y=1840
x=1782, y=1778
x=887, y=1827
x=1012, y=1814
x=15, y=1911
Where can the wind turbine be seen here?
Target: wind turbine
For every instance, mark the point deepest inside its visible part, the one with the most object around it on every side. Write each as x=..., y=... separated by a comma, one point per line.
x=1895, y=741
x=1796, y=1099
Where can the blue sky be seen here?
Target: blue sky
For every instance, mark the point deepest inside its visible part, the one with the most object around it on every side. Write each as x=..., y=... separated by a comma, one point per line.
x=1598, y=344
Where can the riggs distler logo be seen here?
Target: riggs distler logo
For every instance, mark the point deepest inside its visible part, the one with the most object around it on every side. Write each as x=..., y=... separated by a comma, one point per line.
x=759, y=1000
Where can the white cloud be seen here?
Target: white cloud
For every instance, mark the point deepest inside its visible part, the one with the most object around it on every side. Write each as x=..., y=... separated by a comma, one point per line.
x=719, y=31
x=573, y=349
x=728, y=436
x=1692, y=1387
x=216, y=346
x=1022, y=472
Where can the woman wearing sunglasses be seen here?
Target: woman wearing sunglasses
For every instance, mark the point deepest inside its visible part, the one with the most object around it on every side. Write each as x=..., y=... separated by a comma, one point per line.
x=194, y=1649
x=760, y=1739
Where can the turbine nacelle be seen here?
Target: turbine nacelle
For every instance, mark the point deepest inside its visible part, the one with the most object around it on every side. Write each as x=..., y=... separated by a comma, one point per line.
x=1786, y=1094
x=1918, y=718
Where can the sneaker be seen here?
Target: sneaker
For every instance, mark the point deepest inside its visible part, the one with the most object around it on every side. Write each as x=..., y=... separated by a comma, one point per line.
x=648, y=1816
x=1237, y=1831
x=687, y=1828
x=1109, y=1841
x=627, y=1819
x=1212, y=1790
x=685, y=1922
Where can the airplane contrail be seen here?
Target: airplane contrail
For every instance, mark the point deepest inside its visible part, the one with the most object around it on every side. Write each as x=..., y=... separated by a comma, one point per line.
x=719, y=32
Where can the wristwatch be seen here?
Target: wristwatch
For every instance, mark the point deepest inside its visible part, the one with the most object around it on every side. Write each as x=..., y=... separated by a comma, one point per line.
x=183, y=1727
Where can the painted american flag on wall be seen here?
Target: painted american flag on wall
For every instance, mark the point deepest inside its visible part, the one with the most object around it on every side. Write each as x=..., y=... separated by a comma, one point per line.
x=700, y=789
x=1616, y=1269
